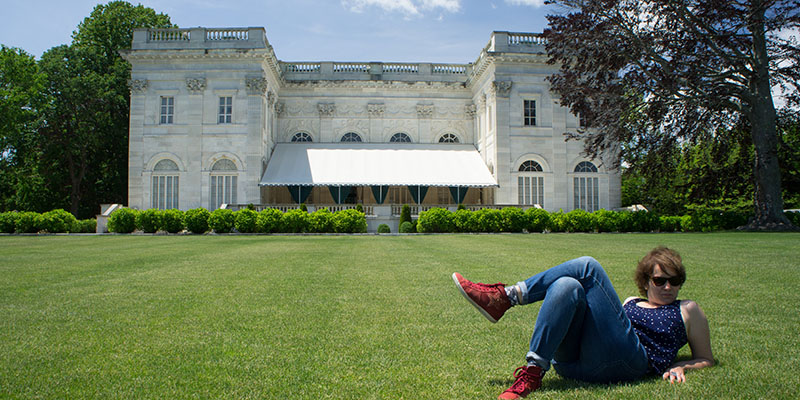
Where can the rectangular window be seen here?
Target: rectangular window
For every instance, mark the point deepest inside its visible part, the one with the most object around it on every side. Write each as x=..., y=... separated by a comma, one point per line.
x=587, y=194
x=164, y=192
x=531, y=190
x=167, y=110
x=225, y=110
x=529, y=110
x=223, y=190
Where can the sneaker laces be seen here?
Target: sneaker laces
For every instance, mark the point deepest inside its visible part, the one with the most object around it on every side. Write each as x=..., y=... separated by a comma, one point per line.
x=485, y=287
x=519, y=385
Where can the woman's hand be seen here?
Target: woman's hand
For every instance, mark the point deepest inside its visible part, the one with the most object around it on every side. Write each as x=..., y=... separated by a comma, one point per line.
x=675, y=374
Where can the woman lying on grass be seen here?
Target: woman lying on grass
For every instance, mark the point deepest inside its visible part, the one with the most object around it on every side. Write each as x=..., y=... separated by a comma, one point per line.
x=586, y=334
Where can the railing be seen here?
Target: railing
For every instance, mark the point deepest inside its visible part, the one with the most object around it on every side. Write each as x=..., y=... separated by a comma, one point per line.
x=526, y=39
x=350, y=67
x=304, y=68
x=400, y=68
x=449, y=69
x=368, y=209
x=227, y=34
x=168, y=35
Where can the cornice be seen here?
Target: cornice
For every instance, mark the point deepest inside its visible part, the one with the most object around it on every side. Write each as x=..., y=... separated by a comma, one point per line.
x=488, y=58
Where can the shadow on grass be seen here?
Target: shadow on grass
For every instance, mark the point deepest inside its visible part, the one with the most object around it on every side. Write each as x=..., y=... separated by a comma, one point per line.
x=560, y=384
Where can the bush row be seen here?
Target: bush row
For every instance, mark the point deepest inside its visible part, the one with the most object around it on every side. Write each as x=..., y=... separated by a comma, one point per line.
x=54, y=221
x=512, y=219
x=200, y=220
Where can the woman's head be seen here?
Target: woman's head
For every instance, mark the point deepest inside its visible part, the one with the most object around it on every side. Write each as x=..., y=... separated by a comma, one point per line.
x=669, y=263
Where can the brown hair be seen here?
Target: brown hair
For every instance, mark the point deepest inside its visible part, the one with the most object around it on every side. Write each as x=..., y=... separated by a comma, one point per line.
x=669, y=260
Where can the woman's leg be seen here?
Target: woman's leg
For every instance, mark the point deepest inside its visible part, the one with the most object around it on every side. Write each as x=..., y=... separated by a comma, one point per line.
x=581, y=324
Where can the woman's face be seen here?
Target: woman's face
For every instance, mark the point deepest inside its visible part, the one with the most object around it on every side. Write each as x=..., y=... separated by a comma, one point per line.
x=664, y=294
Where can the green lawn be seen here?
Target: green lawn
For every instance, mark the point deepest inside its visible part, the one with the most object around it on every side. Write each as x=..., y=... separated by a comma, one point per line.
x=357, y=317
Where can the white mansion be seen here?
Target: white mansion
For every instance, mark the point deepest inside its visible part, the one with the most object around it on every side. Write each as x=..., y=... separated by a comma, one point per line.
x=217, y=119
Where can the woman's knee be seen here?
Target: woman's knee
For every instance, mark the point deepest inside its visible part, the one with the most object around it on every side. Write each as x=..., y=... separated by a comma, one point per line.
x=566, y=289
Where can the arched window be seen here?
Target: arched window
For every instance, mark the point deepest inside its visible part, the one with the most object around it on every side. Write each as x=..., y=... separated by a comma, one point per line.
x=530, y=185
x=400, y=138
x=301, y=137
x=224, y=180
x=351, y=137
x=448, y=138
x=530, y=166
x=164, y=193
x=586, y=187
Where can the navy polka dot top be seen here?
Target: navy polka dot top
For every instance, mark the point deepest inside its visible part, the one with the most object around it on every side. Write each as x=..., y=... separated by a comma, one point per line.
x=660, y=330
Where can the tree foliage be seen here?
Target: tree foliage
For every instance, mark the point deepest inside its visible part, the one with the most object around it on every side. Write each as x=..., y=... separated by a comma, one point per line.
x=72, y=140
x=649, y=75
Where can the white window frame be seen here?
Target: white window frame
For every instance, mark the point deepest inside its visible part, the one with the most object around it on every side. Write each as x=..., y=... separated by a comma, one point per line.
x=167, y=110
x=225, y=110
x=586, y=188
x=165, y=187
x=525, y=117
x=223, y=185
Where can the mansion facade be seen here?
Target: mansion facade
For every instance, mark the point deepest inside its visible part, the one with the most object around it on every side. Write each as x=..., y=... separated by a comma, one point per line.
x=216, y=118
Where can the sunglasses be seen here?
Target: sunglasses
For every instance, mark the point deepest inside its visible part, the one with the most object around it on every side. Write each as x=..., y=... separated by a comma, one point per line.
x=661, y=281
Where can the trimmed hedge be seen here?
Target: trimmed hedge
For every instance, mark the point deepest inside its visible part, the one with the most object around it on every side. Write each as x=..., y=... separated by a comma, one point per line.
x=221, y=220
x=196, y=220
x=122, y=221
x=172, y=220
x=245, y=220
x=148, y=221
x=383, y=228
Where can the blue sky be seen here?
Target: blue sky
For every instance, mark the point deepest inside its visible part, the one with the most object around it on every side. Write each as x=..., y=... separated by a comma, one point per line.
x=447, y=31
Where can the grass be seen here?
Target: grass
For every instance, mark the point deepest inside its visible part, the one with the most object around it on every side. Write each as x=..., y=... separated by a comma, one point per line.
x=356, y=317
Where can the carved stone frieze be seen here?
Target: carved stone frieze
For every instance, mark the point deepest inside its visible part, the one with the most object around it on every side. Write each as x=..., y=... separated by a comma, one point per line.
x=376, y=110
x=196, y=84
x=271, y=98
x=137, y=85
x=424, y=110
x=326, y=109
x=280, y=107
x=256, y=85
x=502, y=88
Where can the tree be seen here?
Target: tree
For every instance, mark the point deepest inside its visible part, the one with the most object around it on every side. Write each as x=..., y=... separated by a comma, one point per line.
x=656, y=73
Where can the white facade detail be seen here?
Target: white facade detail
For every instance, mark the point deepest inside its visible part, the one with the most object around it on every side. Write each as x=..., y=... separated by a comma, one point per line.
x=216, y=102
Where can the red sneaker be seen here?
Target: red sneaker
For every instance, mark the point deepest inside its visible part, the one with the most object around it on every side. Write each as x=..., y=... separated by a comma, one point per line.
x=528, y=379
x=490, y=300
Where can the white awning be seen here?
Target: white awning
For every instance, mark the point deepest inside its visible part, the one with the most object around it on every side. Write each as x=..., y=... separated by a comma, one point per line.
x=373, y=164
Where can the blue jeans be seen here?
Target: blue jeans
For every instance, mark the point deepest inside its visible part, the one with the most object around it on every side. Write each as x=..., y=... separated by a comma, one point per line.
x=581, y=327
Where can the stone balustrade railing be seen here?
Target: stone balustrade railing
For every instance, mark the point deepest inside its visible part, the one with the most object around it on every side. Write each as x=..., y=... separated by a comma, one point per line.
x=199, y=38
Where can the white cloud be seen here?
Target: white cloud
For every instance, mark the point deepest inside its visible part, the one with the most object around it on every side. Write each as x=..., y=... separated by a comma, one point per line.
x=407, y=7
x=533, y=3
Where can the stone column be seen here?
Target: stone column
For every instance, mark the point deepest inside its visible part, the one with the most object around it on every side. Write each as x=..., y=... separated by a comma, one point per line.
x=424, y=114
x=136, y=143
x=326, y=111
x=194, y=189
x=256, y=118
x=561, y=187
x=375, y=111
x=502, y=112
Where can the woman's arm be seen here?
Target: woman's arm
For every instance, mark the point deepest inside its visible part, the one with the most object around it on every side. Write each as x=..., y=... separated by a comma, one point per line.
x=699, y=341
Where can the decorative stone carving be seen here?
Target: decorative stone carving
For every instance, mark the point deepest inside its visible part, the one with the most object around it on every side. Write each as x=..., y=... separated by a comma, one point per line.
x=196, y=84
x=137, y=85
x=376, y=110
x=279, y=108
x=502, y=88
x=256, y=86
x=482, y=103
x=326, y=109
x=271, y=98
x=470, y=110
x=424, y=110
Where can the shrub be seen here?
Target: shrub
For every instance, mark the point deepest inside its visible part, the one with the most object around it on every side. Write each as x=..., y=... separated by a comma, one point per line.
x=670, y=223
x=58, y=221
x=435, y=220
x=28, y=222
x=294, y=221
x=8, y=221
x=538, y=219
x=606, y=221
x=687, y=225
x=488, y=220
x=794, y=218
x=711, y=219
x=359, y=208
x=638, y=221
x=86, y=226
x=513, y=219
x=122, y=221
x=579, y=221
x=320, y=221
x=383, y=228
x=303, y=207
x=172, y=220
x=245, y=220
x=405, y=214
x=557, y=222
x=461, y=207
x=148, y=221
x=196, y=220
x=221, y=220
x=407, y=227
x=349, y=221
x=269, y=220
x=464, y=221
